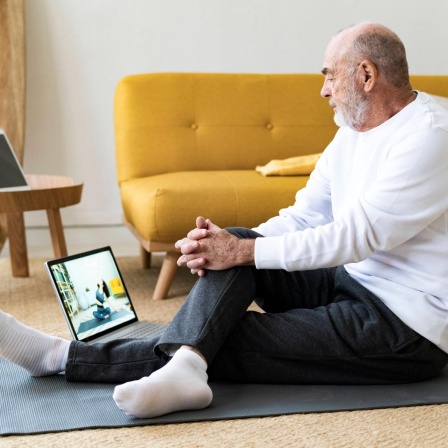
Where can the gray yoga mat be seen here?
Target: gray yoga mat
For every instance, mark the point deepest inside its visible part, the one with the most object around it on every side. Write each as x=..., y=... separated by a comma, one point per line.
x=38, y=405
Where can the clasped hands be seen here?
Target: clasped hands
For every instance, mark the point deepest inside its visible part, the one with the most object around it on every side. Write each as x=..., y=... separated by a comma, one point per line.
x=210, y=247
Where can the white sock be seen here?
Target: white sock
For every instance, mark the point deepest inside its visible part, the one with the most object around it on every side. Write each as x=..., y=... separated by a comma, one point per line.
x=37, y=352
x=178, y=386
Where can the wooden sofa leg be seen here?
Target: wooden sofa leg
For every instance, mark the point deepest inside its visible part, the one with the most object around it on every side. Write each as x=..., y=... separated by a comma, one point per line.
x=145, y=258
x=166, y=276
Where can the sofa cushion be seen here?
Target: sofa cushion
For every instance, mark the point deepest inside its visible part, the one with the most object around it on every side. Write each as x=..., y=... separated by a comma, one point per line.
x=163, y=208
x=293, y=166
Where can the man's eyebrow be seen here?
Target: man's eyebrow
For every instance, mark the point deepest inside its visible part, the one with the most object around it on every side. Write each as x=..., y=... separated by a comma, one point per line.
x=325, y=71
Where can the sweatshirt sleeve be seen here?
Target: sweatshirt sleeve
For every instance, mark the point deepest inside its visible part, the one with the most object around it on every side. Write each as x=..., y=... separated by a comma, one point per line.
x=408, y=193
x=312, y=205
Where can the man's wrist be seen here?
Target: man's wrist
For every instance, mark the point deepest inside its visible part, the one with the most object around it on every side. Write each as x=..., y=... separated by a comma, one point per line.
x=246, y=252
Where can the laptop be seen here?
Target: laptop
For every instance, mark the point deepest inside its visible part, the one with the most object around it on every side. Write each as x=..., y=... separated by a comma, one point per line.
x=94, y=299
x=12, y=177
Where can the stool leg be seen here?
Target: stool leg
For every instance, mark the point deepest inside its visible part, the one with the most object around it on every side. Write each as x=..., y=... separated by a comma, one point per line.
x=17, y=245
x=57, y=232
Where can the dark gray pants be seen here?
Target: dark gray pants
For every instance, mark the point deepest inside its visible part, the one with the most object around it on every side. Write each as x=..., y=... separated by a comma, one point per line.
x=319, y=327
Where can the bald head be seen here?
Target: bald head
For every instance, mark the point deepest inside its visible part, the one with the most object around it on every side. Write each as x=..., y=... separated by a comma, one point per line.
x=366, y=76
x=378, y=44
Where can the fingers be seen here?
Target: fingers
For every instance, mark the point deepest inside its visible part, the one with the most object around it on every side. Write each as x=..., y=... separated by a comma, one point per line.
x=190, y=244
x=201, y=230
x=199, y=272
x=196, y=263
x=187, y=246
x=179, y=244
x=191, y=261
x=197, y=234
x=201, y=222
x=211, y=226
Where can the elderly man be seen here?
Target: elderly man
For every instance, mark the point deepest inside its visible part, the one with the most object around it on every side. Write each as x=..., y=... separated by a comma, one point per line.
x=352, y=278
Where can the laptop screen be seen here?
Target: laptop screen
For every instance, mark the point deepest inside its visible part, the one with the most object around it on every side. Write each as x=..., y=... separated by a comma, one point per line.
x=11, y=174
x=92, y=293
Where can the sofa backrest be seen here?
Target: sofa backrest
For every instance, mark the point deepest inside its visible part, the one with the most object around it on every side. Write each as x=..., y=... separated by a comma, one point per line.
x=433, y=84
x=170, y=122
x=191, y=122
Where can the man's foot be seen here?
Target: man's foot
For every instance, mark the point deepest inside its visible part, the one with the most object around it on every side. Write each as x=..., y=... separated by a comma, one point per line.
x=178, y=386
x=37, y=352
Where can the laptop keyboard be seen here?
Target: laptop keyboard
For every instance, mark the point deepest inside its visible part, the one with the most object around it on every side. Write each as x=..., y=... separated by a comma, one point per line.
x=144, y=331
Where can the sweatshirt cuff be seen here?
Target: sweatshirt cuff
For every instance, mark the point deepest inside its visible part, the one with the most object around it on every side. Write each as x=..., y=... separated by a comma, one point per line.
x=269, y=252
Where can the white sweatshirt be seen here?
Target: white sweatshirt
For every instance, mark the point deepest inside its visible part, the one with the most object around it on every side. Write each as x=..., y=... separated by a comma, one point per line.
x=377, y=202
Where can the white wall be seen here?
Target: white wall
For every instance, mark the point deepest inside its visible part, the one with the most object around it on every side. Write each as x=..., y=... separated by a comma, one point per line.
x=77, y=50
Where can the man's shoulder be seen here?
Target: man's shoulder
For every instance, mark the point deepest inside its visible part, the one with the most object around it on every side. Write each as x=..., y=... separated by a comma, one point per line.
x=440, y=100
x=424, y=116
x=433, y=104
x=438, y=108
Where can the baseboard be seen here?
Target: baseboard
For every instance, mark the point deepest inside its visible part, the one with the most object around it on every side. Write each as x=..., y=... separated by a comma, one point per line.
x=79, y=239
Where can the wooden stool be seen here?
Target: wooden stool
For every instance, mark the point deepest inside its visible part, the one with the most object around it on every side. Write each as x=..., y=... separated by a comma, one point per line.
x=48, y=193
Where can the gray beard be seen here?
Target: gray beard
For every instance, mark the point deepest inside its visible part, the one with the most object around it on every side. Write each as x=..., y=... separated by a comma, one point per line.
x=352, y=114
x=340, y=120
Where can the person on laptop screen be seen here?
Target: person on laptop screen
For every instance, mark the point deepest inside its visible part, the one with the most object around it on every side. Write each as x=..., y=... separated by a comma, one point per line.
x=102, y=312
x=352, y=278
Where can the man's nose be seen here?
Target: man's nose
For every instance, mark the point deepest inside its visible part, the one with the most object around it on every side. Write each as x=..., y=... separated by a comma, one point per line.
x=326, y=91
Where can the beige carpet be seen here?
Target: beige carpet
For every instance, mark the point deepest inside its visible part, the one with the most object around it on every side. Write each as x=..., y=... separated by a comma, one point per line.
x=32, y=301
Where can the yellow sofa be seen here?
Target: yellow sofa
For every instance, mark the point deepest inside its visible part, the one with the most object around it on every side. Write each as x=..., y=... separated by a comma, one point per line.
x=187, y=144
x=116, y=287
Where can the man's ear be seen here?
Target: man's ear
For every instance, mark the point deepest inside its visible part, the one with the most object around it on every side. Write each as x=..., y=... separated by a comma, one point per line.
x=368, y=74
